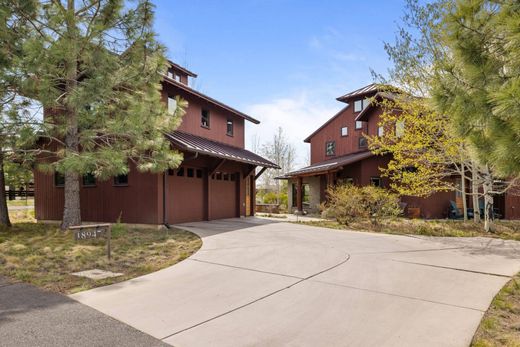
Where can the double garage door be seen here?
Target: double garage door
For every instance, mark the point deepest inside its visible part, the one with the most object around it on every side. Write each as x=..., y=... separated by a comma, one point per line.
x=187, y=195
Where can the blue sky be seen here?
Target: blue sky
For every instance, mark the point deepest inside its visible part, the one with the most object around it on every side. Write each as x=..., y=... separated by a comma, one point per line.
x=282, y=61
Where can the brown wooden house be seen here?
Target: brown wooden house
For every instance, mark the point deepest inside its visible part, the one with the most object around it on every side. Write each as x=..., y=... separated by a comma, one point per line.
x=215, y=180
x=339, y=154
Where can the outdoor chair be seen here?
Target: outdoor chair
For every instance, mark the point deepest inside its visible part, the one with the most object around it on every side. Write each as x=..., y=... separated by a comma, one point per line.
x=496, y=211
x=455, y=213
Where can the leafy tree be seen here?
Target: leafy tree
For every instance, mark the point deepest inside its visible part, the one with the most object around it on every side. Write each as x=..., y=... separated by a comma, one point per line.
x=96, y=68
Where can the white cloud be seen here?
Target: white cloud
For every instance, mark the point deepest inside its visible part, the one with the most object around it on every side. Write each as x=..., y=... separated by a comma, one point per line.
x=298, y=115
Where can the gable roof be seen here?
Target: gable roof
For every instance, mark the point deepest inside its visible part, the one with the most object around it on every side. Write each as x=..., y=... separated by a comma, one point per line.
x=180, y=68
x=374, y=87
x=204, y=97
x=308, y=139
x=202, y=145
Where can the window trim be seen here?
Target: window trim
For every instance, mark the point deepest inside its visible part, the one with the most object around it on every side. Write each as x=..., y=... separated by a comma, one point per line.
x=326, y=151
x=208, y=118
x=56, y=175
x=115, y=184
x=359, y=142
x=378, y=178
x=356, y=125
x=173, y=100
x=354, y=105
x=88, y=185
x=341, y=131
x=228, y=121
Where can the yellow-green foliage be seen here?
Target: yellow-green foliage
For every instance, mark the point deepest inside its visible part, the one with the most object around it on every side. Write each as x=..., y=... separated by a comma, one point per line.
x=347, y=203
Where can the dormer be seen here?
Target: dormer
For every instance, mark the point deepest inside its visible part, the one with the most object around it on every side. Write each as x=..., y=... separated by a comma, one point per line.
x=178, y=73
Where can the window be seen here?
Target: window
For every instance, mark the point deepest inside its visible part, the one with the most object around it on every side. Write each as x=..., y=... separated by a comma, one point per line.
x=233, y=177
x=375, y=181
x=172, y=105
x=306, y=194
x=204, y=119
x=177, y=77
x=349, y=180
x=380, y=131
x=121, y=180
x=89, y=180
x=362, y=142
x=219, y=176
x=180, y=172
x=359, y=124
x=399, y=128
x=190, y=172
x=330, y=148
x=225, y=177
x=360, y=105
x=344, y=131
x=229, y=130
x=199, y=173
x=59, y=179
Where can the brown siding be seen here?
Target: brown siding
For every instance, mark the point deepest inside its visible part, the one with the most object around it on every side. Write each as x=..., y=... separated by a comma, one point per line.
x=512, y=206
x=218, y=119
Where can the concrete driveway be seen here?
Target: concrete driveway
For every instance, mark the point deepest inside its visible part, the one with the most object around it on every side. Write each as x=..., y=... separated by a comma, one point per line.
x=263, y=283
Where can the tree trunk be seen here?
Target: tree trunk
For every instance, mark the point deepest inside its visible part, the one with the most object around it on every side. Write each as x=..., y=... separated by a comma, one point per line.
x=488, y=201
x=463, y=191
x=4, y=212
x=475, y=193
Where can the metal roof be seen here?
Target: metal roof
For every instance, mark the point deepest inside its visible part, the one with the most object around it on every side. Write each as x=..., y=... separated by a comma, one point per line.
x=329, y=165
x=202, y=145
x=374, y=87
x=183, y=69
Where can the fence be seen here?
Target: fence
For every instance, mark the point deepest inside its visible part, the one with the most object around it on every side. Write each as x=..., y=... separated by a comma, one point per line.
x=13, y=194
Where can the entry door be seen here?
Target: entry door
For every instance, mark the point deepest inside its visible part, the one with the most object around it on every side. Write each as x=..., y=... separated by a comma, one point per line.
x=248, y=196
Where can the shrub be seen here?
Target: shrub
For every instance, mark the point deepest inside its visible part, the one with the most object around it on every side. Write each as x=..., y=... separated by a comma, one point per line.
x=347, y=203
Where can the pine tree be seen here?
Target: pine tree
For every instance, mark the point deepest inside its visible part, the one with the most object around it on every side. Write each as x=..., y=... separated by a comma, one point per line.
x=96, y=68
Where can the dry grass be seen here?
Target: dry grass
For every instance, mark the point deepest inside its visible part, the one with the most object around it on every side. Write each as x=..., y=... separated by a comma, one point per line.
x=21, y=202
x=401, y=226
x=43, y=255
x=500, y=326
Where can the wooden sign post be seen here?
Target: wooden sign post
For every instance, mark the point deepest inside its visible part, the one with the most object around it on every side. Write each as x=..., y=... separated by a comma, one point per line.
x=93, y=231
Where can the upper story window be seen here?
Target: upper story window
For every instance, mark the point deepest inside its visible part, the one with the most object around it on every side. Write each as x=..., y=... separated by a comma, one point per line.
x=399, y=128
x=359, y=125
x=360, y=105
x=177, y=77
x=380, y=131
x=229, y=127
x=169, y=74
x=362, y=142
x=204, y=118
x=375, y=181
x=330, y=148
x=59, y=179
x=121, y=180
x=344, y=131
x=89, y=180
x=172, y=105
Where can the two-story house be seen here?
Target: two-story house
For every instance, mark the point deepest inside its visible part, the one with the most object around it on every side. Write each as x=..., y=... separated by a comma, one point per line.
x=339, y=154
x=215, y=180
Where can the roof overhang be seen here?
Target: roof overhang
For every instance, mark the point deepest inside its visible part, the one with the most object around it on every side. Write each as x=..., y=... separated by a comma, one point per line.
x=180, y=68
x=196, y=144
x=204, y=97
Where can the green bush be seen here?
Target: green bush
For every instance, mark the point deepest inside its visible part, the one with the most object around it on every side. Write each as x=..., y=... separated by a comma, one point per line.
x=347, y=203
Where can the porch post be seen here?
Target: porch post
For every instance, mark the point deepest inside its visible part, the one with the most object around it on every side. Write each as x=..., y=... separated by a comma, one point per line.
x=299, y=194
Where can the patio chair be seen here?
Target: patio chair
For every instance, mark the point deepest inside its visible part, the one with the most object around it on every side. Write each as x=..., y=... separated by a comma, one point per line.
x=455, y=213
x=496, y=211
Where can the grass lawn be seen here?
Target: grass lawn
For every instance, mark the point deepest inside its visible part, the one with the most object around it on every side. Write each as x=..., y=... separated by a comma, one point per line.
x=402, y=226
x=43, y=255
x=500, y=326
x=21, y=202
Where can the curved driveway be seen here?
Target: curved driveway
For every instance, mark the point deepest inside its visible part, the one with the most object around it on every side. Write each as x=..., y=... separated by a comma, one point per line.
x=262, y=283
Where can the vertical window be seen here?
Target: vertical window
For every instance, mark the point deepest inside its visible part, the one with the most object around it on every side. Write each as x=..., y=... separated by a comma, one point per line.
x=199, y=173
x=362, y=142
x=121, y=180
x=59, y=179
x=380, y=131
x=89, y=180
x=170, y=75
x=190, y=172
x=177, y=77
x=344, y=131
x=172, y=105
x=359, y=124
x=229, y=130
x=366, y=102
x=375, y=181
x=330, y=148
x=399, y=128
x=204, y=118
x=358, y=105
x=180, y=172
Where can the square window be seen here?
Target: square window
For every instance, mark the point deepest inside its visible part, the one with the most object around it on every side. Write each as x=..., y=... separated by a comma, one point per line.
x=172, y=105
x=375, y=181
x=190, y=172
x=358, y=105
x=177, y=77
x=204, y=118
x=171, y=172
x=121, y=180
x=330, y=148
x=199, y=173
x=380, y=131
x=344, y=131
x=89, y=180
x=59, y=179
x=362, y=142
x=359, y=124
x=180, y=172
x=170, y=74
x=399, y=128
x=229, y=129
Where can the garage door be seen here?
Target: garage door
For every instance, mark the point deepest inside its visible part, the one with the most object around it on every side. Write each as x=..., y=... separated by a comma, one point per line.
x=223, y=202
x=185, y=201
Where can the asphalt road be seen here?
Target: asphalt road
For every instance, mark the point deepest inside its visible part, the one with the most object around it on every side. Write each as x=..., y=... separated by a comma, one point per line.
x=33, y=317
x=260, y=283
